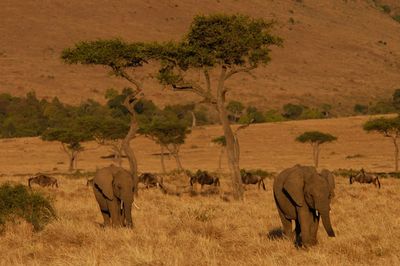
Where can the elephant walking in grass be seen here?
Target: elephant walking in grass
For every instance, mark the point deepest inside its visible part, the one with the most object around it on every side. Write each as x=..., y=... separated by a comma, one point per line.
x=113, y=188
x=303, y=195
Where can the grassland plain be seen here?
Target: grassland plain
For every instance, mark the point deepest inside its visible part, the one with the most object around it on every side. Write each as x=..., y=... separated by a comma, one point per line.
x=199, y=230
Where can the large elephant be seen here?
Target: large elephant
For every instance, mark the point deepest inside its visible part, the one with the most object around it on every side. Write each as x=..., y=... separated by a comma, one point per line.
x=113, y=188
x=303, y=195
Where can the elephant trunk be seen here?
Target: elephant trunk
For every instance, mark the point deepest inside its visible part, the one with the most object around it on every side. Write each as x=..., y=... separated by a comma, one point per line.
x=326, y=221
x=128, y=213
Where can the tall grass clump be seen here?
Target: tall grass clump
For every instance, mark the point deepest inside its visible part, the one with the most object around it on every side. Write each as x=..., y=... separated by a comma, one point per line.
x=18, y=201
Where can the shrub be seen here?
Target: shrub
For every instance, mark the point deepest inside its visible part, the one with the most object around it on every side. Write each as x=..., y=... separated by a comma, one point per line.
x=382, y=107
x=386, y=8
x=397, y=18
x=32, y=206
x=273, y=116
x=360, y=109
x=292, y=111
x=311, y=113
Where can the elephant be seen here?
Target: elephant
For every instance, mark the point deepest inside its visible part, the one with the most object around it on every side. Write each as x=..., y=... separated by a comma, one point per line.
x=363, y=177
x=114, y=188
x=303, y=195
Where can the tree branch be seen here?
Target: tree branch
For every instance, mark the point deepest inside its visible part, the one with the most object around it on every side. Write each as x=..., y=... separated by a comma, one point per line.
x=239, y=70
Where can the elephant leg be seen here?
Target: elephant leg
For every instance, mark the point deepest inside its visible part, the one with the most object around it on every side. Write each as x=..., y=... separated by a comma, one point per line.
x=298, y=233
x=102, y=201
x=305, y=220
x=286, y=224
x=115, y=213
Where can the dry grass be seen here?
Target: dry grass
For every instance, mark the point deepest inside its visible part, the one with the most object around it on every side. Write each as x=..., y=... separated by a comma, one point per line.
x=186, y=230
x=208, y=230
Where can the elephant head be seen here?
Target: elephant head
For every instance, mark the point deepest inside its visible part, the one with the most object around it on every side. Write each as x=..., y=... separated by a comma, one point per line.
x=307, y=187
x=117, y=186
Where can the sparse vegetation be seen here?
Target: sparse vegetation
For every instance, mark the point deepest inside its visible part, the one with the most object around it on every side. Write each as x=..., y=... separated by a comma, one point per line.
x=315, y=138
x=16, y=201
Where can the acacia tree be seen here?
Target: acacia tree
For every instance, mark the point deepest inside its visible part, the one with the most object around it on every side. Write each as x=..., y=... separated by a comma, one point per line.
x=70, y=139
x=224, y=45
x=121, y=58
x=390, y=128
x=315, y=138
x=169, y=132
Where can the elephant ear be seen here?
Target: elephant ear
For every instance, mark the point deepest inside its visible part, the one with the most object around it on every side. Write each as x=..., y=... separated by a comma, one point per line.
x=294, y=186
x=103, y=181
x=331, y=181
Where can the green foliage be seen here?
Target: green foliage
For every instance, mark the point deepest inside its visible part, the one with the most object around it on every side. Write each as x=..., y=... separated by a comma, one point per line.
x=382, y=107
x=273, y=116
x=292, y=111
x=396, y=100
x=236, y=108
x=252, y=116
x=360, y=109
x=166, y=128
x=386, y=126
x=311, y=113
x=221, y=140
x=115, y=54
x=315, y=137
x=228, y=40
x=396, y=18
x=18, y=201
x=103, y=128
x=386, y=8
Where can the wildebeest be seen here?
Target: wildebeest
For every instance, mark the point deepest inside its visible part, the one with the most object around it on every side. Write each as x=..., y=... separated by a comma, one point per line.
x=150, y=180
x=204, y=178
x=363, y=177
x=250, y=178
x=43, y=181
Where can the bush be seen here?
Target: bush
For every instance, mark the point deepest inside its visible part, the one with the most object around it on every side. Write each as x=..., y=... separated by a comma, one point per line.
x=397, y=18
x=32, y=206
x=252, y=116
x=382, y=107
x=292, y=111
x=360, y=109
x=273, y=116
x=311, y=113
x=386, y=8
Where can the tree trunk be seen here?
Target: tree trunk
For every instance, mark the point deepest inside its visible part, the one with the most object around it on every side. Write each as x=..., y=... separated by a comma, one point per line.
x=71, y=163
x=231, y=144
x=162, y=160
x=193, y=119
x=315, y=147
x=220, y=158
x=174, y=150
x=396, y=154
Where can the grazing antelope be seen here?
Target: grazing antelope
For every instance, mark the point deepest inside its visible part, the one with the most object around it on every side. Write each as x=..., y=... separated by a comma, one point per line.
x=43, y=181
x=363, y=177
x=204, y=178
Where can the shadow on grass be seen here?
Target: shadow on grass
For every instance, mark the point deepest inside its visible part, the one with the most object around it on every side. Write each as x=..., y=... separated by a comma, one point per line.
x=273, y=234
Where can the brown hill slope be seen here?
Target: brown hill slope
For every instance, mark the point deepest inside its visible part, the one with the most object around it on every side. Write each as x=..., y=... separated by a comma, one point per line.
x=337, y=52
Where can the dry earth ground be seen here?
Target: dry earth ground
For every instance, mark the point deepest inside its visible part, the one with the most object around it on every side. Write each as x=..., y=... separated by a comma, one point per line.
x=171, y=230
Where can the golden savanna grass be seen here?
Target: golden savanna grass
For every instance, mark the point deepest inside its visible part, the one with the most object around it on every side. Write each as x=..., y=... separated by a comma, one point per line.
x=206, y=230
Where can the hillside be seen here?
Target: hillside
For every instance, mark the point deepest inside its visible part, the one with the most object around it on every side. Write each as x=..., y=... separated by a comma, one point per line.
x=335, y=52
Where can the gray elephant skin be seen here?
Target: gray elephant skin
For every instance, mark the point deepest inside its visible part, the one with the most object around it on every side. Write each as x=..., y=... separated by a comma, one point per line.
x=113, y=188
x=303, y=195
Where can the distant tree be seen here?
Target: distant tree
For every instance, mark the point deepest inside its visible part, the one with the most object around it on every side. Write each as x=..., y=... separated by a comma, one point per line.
x=170, y=132
x=360, y=109
x=252, y=116
x=70, y=138
x=292, y=111
x=236, y=109
x=229, y=44
x=315, y=138
x=119, y=57
x=388, y=127
x=396, y=100
x=220, y=141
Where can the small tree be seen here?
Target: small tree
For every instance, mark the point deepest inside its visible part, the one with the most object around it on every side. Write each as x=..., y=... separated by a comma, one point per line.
x=315, y=138
x=119, y=57
x=236, y=109
x=227, y=44
x=390, y=128
x=220, y=141
x=70, y=138
x=169, y=132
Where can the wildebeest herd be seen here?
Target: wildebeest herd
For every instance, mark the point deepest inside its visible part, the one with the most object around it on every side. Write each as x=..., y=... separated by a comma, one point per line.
x=301, y=193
